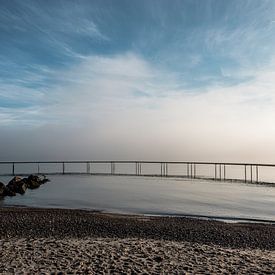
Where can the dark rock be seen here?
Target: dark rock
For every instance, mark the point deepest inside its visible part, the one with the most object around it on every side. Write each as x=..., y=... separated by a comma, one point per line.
x=15, y=179
x=9, y=193
x=33, y=181
x=2, y=189
x=17, y=185
x=44, y=180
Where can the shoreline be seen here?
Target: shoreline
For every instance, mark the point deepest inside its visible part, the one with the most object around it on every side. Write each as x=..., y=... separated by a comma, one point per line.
x=225, y=219
x=50, y=241
x=25, y=222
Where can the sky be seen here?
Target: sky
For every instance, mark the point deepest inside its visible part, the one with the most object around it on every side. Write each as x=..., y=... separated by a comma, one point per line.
x=137, y=80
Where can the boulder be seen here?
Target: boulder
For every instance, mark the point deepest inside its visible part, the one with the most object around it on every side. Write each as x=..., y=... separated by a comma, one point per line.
x=2, y=189
x=17, y=185
x=33, y=181
x=44, y=180
x=15, y=179
x=9, y=193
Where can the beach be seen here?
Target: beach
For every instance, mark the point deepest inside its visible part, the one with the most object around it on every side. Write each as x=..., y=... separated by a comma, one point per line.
x=52, y=241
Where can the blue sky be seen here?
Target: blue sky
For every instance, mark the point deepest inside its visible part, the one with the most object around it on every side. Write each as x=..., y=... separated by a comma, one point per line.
x=137, y=70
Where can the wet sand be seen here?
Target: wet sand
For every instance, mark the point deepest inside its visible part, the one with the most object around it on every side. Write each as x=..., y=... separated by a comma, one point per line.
x=77, y=241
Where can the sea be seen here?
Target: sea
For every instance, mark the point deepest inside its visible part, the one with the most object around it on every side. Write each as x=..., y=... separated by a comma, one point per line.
x=199, y=198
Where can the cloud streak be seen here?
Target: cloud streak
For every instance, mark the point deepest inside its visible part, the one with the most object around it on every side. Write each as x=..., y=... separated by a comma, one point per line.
x=130, y=81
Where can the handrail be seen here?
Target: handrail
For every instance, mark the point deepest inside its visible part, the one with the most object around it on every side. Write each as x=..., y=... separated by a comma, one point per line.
x=141, y=161
x=219, y=171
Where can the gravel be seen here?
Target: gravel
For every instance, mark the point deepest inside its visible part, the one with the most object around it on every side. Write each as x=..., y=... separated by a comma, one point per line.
x=64, y=223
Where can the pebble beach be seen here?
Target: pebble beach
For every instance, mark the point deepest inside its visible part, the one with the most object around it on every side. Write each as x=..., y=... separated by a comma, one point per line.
x=59, y=241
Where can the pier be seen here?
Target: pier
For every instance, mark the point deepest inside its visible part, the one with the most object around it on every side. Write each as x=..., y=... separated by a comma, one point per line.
x=223, y=171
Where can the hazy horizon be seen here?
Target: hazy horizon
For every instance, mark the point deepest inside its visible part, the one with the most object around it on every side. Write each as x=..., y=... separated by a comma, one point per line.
x=158, y=80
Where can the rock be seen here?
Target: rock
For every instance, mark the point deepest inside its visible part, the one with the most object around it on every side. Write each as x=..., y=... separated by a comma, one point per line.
x=17, y=185
x=9, y=193
x=44, y=180
x=2, y=189
x=15, y=179
x=33, y=181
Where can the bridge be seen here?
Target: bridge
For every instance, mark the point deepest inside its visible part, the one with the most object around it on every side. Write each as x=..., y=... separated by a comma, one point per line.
x=226, y=171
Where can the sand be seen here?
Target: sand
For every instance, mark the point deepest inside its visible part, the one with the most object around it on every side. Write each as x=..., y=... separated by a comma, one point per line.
x=105, y=255
x=45, y=241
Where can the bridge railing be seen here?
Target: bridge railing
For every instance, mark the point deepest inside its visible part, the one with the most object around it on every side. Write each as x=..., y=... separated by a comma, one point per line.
x=246, y=172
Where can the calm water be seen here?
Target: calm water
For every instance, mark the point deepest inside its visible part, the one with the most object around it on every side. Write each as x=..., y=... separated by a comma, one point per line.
x=143, y=195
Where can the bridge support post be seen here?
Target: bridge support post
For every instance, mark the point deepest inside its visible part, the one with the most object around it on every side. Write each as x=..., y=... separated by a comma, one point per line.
x=88, y=168
x=138, y=168
x=112, y=168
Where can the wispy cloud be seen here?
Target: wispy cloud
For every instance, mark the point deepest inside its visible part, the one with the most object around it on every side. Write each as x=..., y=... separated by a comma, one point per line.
x=148, y=81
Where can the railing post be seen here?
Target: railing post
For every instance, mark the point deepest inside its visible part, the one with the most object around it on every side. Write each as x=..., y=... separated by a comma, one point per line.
x=88, y=168
x=38, y=168
x=13, y=173
x=251, y=176
x=257, y=174
x=245, y=178
x=112, y=168
x=224, y=176
x=187, y=169
x=63, y=168
x=194, y=170
x=215, y=171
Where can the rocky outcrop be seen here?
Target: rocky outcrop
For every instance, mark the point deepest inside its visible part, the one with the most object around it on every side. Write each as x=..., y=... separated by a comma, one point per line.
x=2, y=189
x=34, y=181
x=19, y=185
